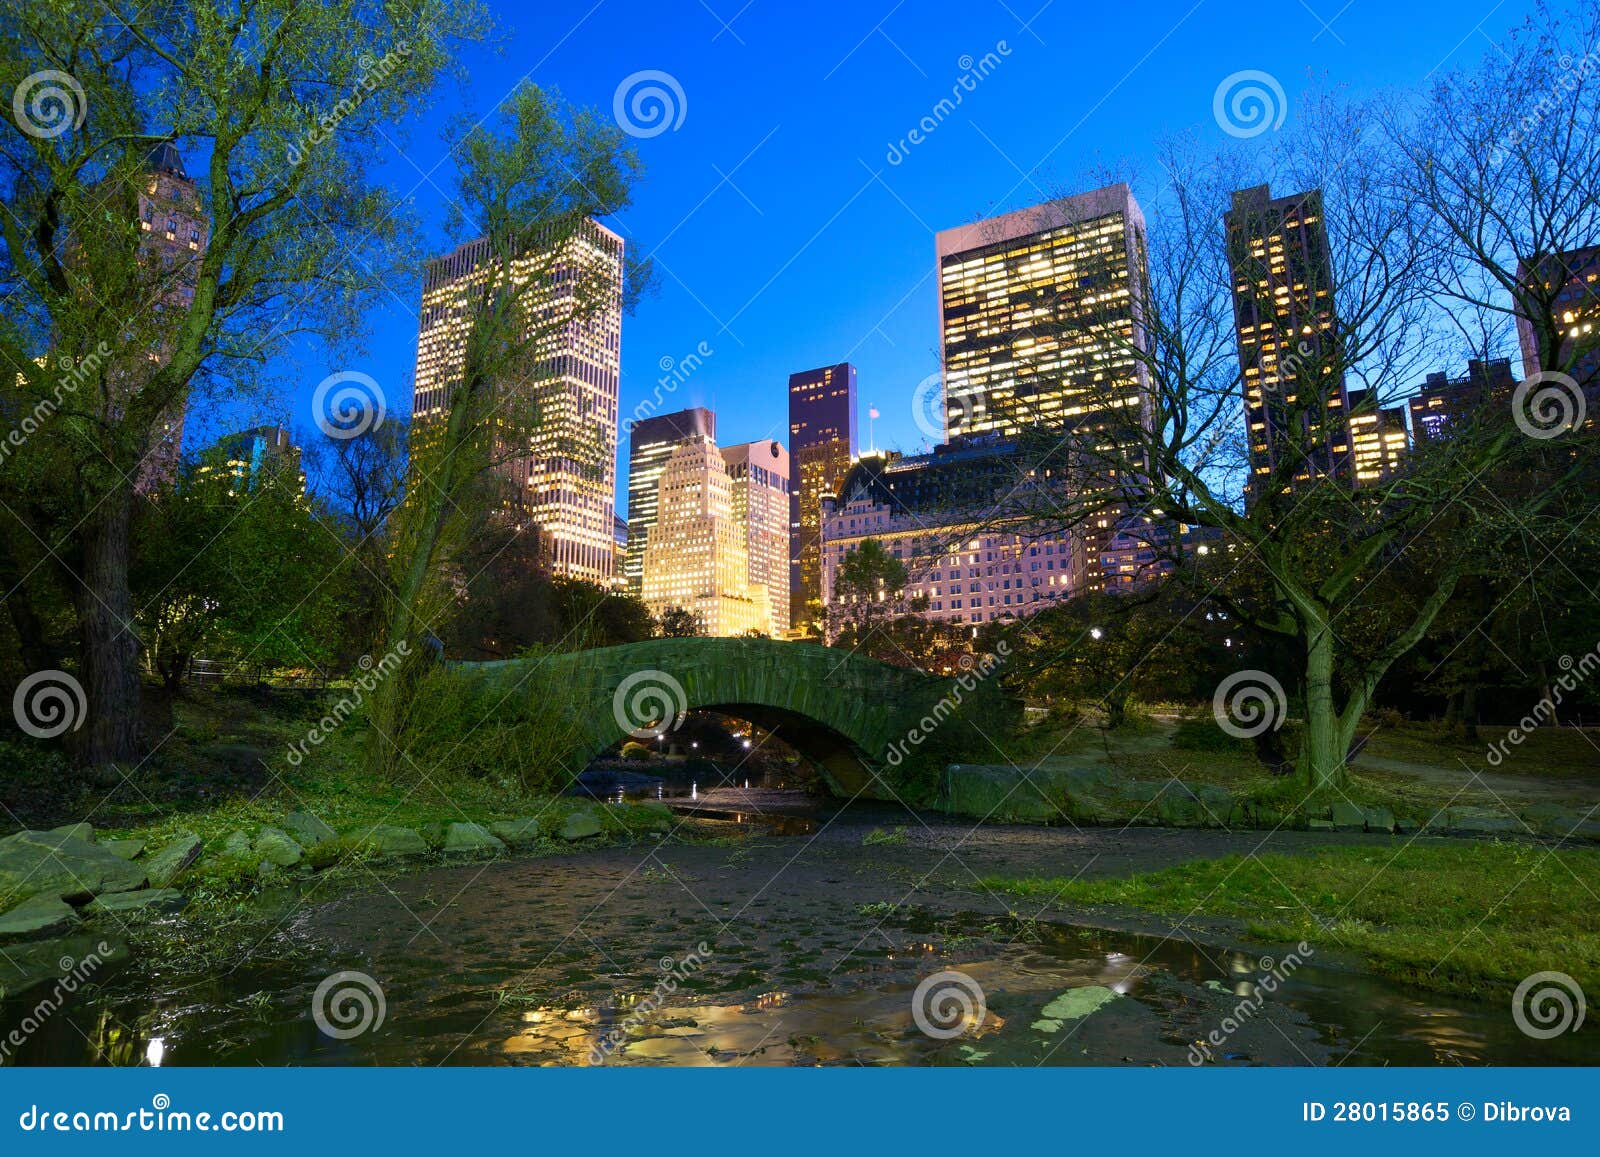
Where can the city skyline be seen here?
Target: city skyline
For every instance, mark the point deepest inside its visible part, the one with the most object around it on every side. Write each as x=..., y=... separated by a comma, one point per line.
x=864, y=238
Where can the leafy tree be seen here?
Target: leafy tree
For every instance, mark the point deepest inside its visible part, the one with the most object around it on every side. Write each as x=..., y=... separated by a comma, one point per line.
x=677, y=623
x=107, y=336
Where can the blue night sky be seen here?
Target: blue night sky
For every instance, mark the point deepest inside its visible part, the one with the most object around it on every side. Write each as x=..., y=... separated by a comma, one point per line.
x=783, y=236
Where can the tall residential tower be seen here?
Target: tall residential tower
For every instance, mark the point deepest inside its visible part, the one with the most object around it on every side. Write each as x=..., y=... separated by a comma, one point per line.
x=822, y=440
x=651, y=442
x=759, y=474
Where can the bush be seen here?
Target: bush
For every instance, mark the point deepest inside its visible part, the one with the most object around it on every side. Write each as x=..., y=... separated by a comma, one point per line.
x=1203, y=734
x=633, y=749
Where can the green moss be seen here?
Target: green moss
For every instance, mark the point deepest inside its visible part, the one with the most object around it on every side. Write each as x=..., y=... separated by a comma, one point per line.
x=1472, y=918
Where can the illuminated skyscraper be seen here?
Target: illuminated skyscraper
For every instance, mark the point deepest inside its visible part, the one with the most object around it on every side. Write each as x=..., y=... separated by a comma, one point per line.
x=1038, y=317
x=759, y=472
x=564, y=480
x=1378, y=439
x=1286, y=328
x=1574, y=277
x=822, y=439
x=175, y=233
x=651, y=442
x=695, y=557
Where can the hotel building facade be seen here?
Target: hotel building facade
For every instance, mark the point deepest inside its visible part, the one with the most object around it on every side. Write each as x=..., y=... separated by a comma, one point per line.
x=758, y=474
x=564, y=479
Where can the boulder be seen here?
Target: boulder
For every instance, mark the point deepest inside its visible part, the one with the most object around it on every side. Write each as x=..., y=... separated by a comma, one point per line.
x=1347, y=817
x=127, y=849
x=276, y=847
x=387, y=840
x=236, y=846
x=151, y=900
x=470, y=838
x=1379, y=819
x=81, y=831
x=164, y=866
x=308, y=829
x=55, y=864
x=39, y=917
x=524, y=831
x=580, y=825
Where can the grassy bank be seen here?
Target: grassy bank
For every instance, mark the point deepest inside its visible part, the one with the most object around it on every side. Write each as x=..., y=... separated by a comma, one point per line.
x=1473, y=919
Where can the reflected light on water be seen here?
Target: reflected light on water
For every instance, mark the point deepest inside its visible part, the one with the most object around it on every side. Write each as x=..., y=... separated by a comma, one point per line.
x=155, y=1051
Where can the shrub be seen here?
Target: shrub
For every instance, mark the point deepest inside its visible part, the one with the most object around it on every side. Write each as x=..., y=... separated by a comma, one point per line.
x=1203, y=734
x=633, y=749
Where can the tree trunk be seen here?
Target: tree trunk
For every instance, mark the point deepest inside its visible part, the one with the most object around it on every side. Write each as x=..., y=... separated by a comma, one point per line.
x=1322, y=753
x=110, y=648
x=31, y=642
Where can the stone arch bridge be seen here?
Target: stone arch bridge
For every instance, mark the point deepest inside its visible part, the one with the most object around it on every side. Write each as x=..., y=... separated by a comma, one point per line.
x=860, y=719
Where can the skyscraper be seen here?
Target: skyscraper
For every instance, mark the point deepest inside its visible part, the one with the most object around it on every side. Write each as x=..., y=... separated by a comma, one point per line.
x=1038, y=316
x=564, y=479
x=759, y=472
x=1287, y=333
x=822, y=440
x=695, y=557
x=175, y=233
x=1574, y=279
x=651, y=442
x=1378, y=439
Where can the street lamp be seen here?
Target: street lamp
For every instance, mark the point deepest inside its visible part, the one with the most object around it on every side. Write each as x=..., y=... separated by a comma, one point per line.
x=1095, y=632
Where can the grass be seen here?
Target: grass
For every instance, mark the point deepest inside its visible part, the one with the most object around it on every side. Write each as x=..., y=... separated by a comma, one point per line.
x=1472, y=919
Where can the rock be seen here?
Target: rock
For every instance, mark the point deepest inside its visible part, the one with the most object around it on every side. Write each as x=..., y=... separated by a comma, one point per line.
x=236, y=846
x=387, y=840
x=127, y=849
x=470, y=838
x=54, y=864
x=308, y=829
x=37, y=918
x=1380, y=819
x=580, y=825
x=1320, y=825
x=1485, y=821
x=276, y=848
x=524, y=831
x=151, y=900
x=164, y=866
x=81, y=831
x=24, y=966
x=1347, y=817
